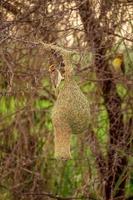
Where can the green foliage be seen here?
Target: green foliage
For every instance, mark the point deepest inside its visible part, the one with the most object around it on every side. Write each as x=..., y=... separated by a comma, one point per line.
x=121, y=90
x=42, y=104
x=103, y=124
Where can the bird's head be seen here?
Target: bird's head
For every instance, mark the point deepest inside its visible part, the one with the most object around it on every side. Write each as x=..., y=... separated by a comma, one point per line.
x=120, y=55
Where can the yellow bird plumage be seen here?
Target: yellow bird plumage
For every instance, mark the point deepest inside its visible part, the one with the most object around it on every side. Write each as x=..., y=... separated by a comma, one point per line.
x=118, y=64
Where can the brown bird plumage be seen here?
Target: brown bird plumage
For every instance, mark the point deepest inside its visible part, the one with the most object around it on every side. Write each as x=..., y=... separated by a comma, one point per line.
x=55, y=76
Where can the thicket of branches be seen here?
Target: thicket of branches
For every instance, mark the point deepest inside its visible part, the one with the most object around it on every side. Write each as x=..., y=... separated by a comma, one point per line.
x=102, y=162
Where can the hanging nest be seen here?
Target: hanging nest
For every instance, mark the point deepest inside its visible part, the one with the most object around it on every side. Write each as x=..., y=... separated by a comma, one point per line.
x=70, y=115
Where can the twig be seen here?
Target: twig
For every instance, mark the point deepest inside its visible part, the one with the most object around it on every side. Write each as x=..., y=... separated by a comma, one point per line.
x=58, y=197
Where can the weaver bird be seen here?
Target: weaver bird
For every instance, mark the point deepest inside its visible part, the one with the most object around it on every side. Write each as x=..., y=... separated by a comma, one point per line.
x=118, y=63
x=55, y=76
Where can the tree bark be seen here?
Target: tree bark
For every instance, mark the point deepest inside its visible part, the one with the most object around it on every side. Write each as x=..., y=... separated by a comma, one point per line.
x=116, y=167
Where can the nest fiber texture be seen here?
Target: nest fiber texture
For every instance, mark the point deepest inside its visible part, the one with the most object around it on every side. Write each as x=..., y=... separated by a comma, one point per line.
x=70, y=114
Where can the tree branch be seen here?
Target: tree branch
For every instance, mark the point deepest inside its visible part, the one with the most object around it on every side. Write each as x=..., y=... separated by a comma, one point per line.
x=52, y=196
